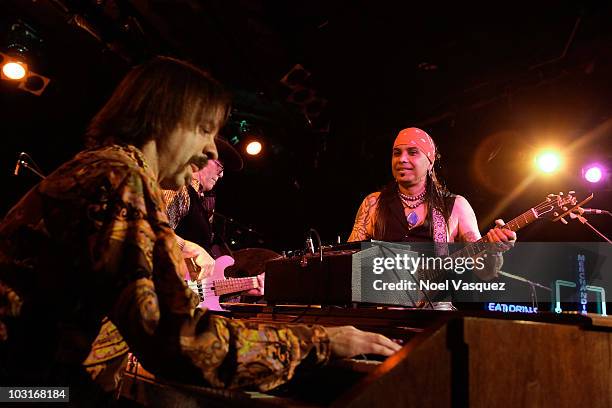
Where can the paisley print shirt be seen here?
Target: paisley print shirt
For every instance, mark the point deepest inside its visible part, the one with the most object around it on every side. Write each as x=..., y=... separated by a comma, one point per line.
x=89, y=270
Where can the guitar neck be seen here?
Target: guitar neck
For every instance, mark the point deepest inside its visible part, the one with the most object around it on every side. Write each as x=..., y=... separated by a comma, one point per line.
x=227, y=286
x=515, y=224
x=474, y=248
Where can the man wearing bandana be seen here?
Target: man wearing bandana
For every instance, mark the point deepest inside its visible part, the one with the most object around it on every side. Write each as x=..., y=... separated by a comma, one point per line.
x=415, y=207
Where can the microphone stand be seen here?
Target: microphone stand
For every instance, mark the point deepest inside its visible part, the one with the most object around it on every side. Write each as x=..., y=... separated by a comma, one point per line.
x=583, y=220
x=23, y=161
x=32, y=169
x=532, y=286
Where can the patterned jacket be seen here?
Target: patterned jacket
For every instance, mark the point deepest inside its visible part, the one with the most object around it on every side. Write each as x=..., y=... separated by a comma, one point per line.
x=89, y=270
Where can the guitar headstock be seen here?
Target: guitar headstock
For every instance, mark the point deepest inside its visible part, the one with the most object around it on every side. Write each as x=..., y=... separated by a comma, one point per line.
x=557, y=206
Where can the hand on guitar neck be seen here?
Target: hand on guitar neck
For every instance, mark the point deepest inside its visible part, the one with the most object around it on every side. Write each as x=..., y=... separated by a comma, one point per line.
x=259, y=290
x=503, y=237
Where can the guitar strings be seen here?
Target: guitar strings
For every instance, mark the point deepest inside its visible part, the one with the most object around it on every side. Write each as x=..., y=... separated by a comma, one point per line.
x=209, y=286
x=222, y=282
x=484, y=239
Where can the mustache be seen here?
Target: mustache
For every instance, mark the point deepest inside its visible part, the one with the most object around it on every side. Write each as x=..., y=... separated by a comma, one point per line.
x=199, y=161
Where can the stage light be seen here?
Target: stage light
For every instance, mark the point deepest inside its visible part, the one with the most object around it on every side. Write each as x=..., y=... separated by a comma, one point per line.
x=593, y=173
x=14, y=70
x=254, y=148
x=548, y=161
x=30, y=81
x=22, y=51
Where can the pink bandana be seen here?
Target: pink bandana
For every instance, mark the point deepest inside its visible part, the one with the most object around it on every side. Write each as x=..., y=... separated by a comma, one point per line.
x=419, y=138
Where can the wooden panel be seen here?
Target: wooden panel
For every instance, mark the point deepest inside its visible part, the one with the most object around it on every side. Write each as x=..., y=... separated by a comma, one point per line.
x=418, y=376
x=533, y=364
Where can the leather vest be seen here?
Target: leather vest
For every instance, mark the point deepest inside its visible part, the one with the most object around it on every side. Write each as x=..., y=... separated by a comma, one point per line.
x=397, y=230
x=195, y=226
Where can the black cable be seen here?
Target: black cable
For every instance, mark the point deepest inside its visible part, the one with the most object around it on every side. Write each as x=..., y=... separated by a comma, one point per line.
x=311, y=231
x=309, y=237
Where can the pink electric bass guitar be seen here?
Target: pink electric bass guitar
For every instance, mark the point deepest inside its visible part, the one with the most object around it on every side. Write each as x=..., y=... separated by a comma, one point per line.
x=210, y=289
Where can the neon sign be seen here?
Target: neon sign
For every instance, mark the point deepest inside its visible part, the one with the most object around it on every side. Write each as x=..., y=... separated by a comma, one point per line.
x=504, y=307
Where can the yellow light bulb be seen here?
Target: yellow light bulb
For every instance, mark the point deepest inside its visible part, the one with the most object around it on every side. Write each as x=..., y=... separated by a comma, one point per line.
x=253, y=148
x=548, y=162
x=14, y=70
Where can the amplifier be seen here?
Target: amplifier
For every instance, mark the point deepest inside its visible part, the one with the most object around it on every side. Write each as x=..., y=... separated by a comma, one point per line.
x=307, y=280
x=343, y=277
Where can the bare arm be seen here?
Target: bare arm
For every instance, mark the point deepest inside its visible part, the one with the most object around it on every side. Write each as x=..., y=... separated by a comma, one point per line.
x=362, y=229
x=467, y=231
x=467, y=226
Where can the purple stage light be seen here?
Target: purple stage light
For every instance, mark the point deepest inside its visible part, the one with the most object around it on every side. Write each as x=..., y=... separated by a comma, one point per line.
x=593, y=173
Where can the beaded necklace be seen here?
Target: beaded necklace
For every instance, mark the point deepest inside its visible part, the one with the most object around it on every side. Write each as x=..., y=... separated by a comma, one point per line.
x=412, y=201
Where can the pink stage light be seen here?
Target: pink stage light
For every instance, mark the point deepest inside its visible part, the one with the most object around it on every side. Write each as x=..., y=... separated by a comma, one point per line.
x=593, y=173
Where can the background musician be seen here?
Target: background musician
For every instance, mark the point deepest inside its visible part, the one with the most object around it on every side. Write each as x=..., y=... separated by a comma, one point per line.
x=191, y=208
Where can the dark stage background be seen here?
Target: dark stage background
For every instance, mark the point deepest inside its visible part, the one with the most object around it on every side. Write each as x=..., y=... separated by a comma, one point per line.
x=489, y=82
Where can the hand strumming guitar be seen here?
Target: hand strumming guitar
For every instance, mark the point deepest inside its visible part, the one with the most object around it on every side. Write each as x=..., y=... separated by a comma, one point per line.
x=202, y=259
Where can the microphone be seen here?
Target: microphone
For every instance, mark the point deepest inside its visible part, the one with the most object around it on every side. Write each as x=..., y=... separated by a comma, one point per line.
x=24, y=160
x=19, y=163
x=592, y=211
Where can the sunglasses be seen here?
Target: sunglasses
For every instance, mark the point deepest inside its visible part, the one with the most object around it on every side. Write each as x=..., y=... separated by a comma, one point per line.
x=219, y=165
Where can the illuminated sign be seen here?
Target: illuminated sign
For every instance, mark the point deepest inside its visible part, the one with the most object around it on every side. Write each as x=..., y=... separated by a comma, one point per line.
x=504, y=307
x=600, y=293
x=582, y=285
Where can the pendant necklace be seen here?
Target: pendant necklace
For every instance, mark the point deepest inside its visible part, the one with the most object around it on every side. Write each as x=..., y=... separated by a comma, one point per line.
x=413, y=219
x=412, y=202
